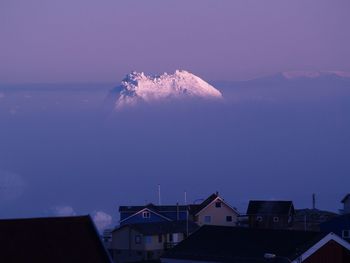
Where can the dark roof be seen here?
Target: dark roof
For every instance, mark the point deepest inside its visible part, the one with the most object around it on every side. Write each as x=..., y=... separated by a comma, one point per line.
x=54, y=240
x=194, y=209
x=156, y=228
x=345, y=197
x=155, y=208
x=235, y=244
x=269, y=207
x=338, y=220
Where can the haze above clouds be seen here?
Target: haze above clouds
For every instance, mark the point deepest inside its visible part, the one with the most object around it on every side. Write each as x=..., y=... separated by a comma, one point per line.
x=94, y=41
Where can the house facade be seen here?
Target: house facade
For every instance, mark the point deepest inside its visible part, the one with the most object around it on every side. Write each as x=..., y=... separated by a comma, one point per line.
x=147, y=241
x=270, y=214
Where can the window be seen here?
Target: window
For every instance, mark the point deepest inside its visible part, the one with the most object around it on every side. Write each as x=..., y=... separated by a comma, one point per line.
x=276, y=219
x=346, y=233
x=137, y=239
x=228, y=218
x=146, y=214
x=170, y=237
x=259, y=218
x=218, y=204
x=148, y=239
x=207, y=219
x=160, y=238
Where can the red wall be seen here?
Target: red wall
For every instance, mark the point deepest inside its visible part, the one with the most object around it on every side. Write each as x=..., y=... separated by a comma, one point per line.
x=331, y=252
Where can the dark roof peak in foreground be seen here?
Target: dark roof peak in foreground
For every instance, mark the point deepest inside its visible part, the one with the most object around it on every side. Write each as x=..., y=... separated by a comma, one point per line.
x=51, y=239
x=269, y=207
x=232, y=244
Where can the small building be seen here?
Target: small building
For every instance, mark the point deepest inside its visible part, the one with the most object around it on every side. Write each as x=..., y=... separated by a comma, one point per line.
x=340, y=225
x=53, y=240
x=270, y=214
x=147, y=241
x=250, y=245
x=346, y=203
x=214, y=211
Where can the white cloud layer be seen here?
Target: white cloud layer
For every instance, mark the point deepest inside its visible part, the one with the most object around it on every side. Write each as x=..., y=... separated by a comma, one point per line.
x=102, y=220
x=63, y=211
x=11, y=186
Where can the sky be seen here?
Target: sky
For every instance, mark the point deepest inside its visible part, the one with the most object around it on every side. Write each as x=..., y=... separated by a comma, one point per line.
x=64, y=151
x=47, y=41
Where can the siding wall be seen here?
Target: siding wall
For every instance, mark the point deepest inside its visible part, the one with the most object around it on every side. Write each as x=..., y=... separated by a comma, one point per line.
x=218, y=215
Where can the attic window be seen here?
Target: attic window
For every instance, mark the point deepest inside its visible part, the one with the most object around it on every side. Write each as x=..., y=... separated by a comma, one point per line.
x=137, y=239
x=259, y=218
x=218, y=204
x=346, y=233
x=276, y=219
x=146, y=214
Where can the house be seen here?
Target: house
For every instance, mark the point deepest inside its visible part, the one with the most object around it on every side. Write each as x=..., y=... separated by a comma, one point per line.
x=310, y=219
x=244, y=245
x=346, y=203
x=53, y=239
x=270, y=214
x=147, y=241
x=340, y=225
x=213, y=210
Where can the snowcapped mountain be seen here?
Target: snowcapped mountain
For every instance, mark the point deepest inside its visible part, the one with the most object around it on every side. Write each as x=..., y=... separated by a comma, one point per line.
x=137, y=87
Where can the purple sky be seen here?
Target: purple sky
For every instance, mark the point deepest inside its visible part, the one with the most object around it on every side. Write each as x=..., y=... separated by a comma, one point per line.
x=101, y=41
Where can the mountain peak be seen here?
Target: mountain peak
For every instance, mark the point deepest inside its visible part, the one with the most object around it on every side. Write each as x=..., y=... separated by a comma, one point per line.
x=137, y=87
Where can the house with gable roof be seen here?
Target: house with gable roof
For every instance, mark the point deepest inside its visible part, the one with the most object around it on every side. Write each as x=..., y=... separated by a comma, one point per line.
x=270, y=214
x=212, y=211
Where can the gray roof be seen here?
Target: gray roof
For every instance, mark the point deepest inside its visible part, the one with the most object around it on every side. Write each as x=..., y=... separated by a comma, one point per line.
x=270, y=207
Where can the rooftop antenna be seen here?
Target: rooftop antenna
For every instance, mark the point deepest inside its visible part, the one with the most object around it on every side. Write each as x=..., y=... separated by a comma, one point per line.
x=185, y=193
x=159, y=200
x=313, y=201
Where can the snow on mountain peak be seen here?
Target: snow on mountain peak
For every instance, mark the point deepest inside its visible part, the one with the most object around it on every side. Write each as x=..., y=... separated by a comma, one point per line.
x=136, y=87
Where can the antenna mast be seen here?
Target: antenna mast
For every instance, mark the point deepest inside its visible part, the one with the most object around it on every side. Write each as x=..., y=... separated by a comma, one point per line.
x=159, y=200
